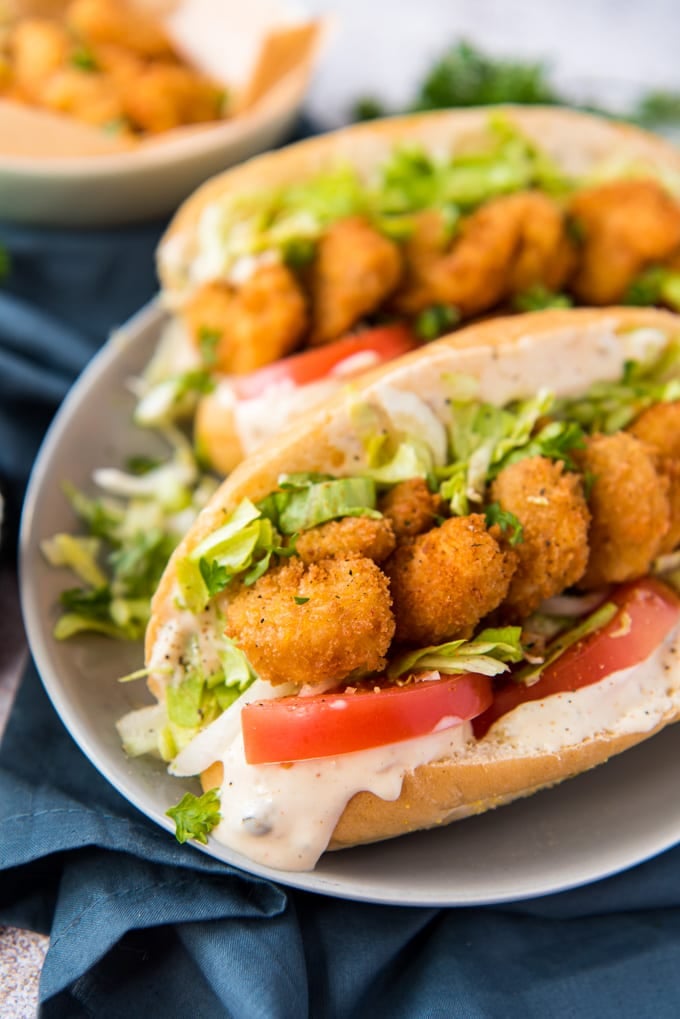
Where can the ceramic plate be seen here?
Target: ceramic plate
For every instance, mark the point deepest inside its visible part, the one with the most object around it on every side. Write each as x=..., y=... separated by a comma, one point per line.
x=588, y=828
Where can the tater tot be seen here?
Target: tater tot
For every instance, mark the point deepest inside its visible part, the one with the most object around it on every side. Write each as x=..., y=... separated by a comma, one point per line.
x=362, y=536
x=553, y=552
x=626, y=225
x=411, y=508
x=253, y=325
x=628, y=502
x=120, y=23
x=659, y=427
x=445, y=581
x=354, y=271
x=314, y=624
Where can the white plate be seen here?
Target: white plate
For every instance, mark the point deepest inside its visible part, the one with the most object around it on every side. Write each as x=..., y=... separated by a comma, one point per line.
x=596, y=825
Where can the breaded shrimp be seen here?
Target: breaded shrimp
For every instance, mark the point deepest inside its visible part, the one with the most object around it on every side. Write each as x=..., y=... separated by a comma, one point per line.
x=422, y=250
x=445, y=581
x=659, y=427
x=255, y=324
x=508, y=245
x=629, y=507
x=553, y=553
x=120, y=23
x=354, y=271
x=314, y=624
x=362, y=536
x=411, y=508
x=626, y=226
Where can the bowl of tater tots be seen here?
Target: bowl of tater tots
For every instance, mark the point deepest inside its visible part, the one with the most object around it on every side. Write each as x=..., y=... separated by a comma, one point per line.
x=114, y=110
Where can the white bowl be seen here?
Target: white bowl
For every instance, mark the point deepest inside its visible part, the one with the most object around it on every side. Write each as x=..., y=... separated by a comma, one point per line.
x=146, y=182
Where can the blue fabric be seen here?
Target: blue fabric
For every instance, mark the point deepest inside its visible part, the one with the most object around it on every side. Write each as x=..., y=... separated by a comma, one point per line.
x=142, y=927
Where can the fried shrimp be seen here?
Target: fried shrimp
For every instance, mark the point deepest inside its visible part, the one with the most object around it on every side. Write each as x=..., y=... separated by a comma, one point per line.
x=445, y=581
x=629, y=508
x=362, y=536
x=552, y=510
x=505, y=247
x=626, y=225
x=659, y=427
x=411, y=508
x=314, y=624
x=251, y=326
x=354, y=271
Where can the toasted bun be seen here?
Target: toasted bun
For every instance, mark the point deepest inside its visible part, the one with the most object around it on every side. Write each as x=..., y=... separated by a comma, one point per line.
x=577, y=142
x=563, y=350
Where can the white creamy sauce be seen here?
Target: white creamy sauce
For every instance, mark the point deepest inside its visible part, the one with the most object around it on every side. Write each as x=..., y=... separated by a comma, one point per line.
x=173, y=641
x=284, y=816
x=631, y=700
x=264, y=416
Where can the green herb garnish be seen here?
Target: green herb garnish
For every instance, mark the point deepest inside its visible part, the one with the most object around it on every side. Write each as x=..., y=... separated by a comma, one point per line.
x=507, y=521
x=196, y=816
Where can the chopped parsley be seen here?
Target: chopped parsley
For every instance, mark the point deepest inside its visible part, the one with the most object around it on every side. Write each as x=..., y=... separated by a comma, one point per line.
x=196, y=816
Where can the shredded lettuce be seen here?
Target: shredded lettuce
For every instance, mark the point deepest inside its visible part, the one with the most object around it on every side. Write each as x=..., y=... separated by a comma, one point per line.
x=133, y=529
x=488, y=653
x=241, y=547
x=657, y=285
x=302, y=508
x=484, y=438
x=78, y=553
x=196, y=816
x=610, y=406
x=531, y=674
x=139, y=730
x=538, y=298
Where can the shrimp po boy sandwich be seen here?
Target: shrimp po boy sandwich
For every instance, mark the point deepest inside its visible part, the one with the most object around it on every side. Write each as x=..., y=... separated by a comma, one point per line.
x=290, y=274
x=449, y=587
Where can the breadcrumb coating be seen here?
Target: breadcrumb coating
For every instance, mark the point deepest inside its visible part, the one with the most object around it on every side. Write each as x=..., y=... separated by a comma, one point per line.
x=362, y=536
x=254, y=324
x=659, y=427
x=354, y=271
x=629, y=508
x=314, y=624
x=411, y=508
x=625, y=226
x=445, y=581
x=506, y=246
x=553, y=552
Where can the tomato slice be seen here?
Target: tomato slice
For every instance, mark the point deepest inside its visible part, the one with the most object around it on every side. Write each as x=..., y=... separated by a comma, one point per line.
x=329, y=724
x=648, y=611
x=386, y=342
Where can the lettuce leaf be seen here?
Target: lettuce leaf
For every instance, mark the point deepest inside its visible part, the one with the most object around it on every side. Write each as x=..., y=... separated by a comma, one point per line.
x=488, y=653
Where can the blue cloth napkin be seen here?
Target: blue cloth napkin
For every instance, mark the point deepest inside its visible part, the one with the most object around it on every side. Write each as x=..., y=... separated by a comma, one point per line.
x=140, y=926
